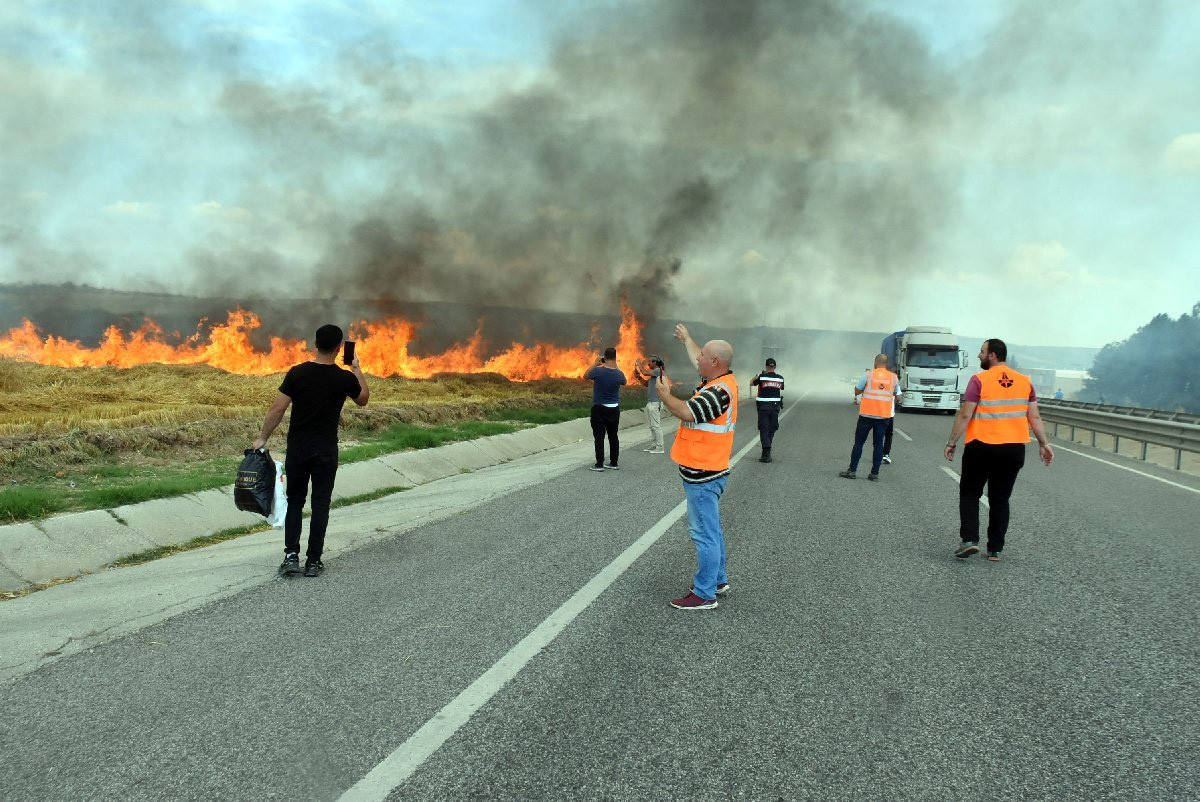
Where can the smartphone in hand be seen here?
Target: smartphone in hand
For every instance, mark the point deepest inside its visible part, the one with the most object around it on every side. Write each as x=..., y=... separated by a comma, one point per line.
x=348, y=352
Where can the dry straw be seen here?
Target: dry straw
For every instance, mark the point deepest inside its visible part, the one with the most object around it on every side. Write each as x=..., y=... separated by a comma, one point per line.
x=53, y=416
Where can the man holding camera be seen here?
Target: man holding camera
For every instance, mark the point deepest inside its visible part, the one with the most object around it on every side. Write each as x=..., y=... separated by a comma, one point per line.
x=316, y=391
x=607, y=379
x=702, y=449
x=654, y=369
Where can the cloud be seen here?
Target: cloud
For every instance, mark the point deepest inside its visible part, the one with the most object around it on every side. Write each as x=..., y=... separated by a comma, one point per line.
x=132, y=209
x=217, y=211
x=1183, y=154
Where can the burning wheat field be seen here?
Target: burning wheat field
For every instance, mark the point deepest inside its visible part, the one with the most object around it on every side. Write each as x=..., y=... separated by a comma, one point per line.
x=142, y=401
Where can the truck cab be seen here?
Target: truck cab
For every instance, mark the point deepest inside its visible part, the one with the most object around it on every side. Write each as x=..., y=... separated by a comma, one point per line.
x=929, y=363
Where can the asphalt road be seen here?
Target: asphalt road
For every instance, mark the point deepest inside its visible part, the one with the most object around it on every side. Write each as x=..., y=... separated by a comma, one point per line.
x=855, y=658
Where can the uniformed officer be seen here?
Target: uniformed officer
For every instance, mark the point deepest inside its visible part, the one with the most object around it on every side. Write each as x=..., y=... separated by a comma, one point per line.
x=768, y=400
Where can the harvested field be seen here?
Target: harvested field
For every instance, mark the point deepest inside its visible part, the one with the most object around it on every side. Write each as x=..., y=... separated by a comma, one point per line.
x=52, y=415
x=84, y=429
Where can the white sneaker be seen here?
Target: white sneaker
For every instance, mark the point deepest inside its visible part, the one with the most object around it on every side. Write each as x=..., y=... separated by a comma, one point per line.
x=887, y=458
x=655, y=451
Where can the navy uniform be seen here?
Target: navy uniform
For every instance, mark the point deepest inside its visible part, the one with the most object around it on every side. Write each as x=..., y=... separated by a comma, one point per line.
x=768, y=400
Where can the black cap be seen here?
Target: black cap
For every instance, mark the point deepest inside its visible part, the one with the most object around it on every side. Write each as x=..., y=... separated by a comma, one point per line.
x=770, y=362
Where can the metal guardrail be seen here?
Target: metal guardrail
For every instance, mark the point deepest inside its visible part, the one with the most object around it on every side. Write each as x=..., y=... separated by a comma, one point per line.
x=1179, y=431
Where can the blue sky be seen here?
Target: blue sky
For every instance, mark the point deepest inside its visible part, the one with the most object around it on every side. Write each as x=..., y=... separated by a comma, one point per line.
x=1009, y=168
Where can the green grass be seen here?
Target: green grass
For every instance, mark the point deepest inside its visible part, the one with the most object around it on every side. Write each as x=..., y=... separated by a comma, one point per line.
x=195, y=543
x=346, y=501
x=26, y=503
x=403, y=436
x=108, y=497
x=110, y=484
x=104, y=486
x=539, y=417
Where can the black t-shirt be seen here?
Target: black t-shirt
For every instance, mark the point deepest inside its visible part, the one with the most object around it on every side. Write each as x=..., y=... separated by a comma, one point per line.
x=318, y=392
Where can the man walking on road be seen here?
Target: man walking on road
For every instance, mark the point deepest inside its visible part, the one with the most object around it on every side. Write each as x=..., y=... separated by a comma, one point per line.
x=607, y=379
x=654, y=366
x=316, y=390
x=702, y=448
x=878, y=388
x=998, y=410
x=768, y=401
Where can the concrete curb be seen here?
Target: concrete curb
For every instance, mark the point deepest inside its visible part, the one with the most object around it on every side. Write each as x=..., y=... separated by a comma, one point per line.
x=77, y=543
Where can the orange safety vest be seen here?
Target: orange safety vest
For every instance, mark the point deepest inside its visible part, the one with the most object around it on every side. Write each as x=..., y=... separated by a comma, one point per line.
x=1000, y=415
x=879, y=394
x=707, y=446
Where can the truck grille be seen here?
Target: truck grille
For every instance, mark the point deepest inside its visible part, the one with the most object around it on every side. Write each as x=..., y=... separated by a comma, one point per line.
x=933, y=382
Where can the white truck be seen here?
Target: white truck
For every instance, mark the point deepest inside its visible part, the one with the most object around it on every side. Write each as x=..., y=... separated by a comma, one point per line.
x=929, y=363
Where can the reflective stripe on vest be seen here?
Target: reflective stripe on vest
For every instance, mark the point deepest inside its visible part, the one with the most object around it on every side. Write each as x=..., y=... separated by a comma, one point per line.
x=708, y=427
x=707, y=446
x=1000, y=414
x=878, y=394
x=767, y=385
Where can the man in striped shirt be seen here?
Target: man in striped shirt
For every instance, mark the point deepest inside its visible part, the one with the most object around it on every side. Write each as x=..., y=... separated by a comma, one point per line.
x=702, y=449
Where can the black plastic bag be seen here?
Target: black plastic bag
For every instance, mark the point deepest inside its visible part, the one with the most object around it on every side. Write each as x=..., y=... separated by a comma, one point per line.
x=254, y=488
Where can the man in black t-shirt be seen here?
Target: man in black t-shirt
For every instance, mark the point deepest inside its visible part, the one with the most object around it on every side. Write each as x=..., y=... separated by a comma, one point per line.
x=316, y=390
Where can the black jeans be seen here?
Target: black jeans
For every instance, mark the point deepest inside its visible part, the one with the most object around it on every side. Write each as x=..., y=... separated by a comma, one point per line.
x=768, y=421
x=605, y=421
x=887, y=437
x=876, y=427
x=997, y=466
x=305, y=462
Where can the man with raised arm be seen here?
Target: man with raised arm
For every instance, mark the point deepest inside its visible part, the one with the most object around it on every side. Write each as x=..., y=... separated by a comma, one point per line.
x=702, y=449
x=315, y=391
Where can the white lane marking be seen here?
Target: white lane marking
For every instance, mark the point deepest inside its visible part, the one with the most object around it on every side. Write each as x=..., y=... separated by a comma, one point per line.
x=1057, y=447
x=397, y=767
x=958, y=479
x=900, y=432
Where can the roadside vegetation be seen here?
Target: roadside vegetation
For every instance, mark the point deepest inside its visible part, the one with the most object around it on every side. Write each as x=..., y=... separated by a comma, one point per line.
x=98, y=438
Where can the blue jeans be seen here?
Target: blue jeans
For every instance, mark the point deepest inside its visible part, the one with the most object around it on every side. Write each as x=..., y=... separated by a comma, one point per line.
x=704, y=525
x=877, y=427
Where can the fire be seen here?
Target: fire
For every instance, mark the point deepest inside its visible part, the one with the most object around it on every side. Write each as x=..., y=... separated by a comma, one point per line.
x=383, y=348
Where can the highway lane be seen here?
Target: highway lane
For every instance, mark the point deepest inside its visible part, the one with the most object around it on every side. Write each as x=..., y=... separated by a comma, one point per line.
x=854, y=659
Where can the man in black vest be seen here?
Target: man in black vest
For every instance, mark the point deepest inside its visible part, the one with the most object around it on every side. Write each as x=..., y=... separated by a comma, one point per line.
x=769, y=400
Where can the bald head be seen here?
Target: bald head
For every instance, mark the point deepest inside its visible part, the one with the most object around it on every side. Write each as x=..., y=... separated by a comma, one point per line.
x=715, y=358
x=881, y=361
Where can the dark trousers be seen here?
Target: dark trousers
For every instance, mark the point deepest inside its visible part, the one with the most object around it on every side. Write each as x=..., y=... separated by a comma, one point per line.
x=305, y=462
x=605, y=421
x=887, y=437
x=996, y=466
x=768, y=421
x=877, y=427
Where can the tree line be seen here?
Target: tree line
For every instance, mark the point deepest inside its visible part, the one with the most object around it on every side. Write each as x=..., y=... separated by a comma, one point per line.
x=1155, y=368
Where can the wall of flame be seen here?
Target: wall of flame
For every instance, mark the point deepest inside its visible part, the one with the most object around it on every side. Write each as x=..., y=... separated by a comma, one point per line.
x=383, y=348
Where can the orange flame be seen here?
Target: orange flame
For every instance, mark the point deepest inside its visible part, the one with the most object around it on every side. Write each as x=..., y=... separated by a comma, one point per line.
x=383, y=348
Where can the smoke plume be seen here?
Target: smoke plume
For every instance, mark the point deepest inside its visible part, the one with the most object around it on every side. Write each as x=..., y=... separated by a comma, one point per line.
x=659, y=146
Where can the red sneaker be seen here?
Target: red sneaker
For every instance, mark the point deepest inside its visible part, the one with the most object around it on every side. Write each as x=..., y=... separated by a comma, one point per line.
x=721, y=589
x=693, y=602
